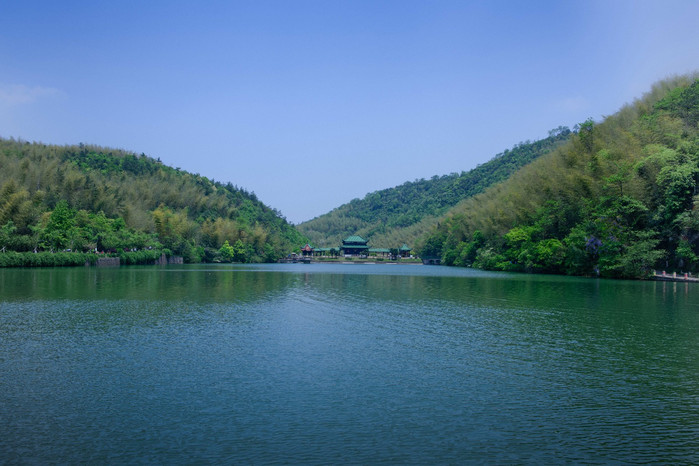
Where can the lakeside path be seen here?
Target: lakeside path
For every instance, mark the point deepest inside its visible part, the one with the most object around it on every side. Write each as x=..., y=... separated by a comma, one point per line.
x=674, y=277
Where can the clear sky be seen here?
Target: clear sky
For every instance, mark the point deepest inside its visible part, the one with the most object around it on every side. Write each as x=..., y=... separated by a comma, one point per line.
x=311, y=104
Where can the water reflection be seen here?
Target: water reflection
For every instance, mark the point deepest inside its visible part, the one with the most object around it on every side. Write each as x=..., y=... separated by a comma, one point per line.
x=140, y=283
x=310, y=364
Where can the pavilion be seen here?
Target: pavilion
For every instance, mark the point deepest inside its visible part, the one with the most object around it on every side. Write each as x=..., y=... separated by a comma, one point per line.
x=354, y=246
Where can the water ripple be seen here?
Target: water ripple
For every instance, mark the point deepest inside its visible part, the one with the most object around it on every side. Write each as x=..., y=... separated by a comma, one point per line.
x=348, y=364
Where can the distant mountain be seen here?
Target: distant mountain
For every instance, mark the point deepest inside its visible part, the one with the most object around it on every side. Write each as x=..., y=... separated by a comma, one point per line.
x=391, y=217
x=87, y=197
x=618, y=200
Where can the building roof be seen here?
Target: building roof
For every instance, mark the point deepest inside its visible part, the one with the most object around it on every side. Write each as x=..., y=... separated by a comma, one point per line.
x=404, y=247
x=354, y=239
x=354, y=246
x=387, y=251
x=307, y=247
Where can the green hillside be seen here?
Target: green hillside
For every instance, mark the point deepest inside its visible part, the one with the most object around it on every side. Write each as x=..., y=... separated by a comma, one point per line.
x=618, y=200
x=391, y=217
x=83, y=198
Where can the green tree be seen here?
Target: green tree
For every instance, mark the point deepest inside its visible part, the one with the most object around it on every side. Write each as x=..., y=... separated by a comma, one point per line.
x=6, y=235
x=678, y=184
x=241, y=253
x=549, y=255
x=226, y=252
x=581, y=253
x=60, y=227
x=685, y=255
x=635, y=259
x=585, y=134
x=467, y=251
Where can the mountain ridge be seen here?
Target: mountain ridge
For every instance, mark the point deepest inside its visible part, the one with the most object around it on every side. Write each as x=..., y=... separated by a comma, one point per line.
x=401, y=214
x=618, y=200
x=113, y=199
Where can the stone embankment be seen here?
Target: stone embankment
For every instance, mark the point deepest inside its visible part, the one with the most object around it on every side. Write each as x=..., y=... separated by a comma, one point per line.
x=108, y=262
x=116, y=262
x=164, y=260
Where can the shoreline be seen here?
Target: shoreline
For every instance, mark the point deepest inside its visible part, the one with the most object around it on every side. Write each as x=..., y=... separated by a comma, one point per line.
x=349, y=262
x=664, y=277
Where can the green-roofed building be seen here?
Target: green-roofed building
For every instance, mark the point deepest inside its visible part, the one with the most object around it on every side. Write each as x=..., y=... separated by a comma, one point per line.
x=354, y=246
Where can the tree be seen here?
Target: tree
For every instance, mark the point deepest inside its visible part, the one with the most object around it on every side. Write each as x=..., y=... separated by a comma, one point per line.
x=685, y=254
x=678, y=183
x=6, y=233
x=635, y=259
x=240, y=252
x=59, y=227
x=393, y=252
x=549, y=255
x=585, y=133
x=226, y=252
x=467, y=251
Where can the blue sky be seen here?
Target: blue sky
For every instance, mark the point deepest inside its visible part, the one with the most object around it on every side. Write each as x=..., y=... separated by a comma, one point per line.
x=313, y=104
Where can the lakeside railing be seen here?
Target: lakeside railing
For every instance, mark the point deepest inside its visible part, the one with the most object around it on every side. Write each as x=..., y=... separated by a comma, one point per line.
x=682, y=277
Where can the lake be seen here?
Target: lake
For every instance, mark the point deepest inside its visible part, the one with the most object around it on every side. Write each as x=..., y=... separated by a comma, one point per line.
x=297, y=363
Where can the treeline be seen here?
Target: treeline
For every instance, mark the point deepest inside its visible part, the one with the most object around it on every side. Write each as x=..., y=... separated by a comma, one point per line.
x=70, y=259
x=402, y=214
x=87, y=198
x=618, y=200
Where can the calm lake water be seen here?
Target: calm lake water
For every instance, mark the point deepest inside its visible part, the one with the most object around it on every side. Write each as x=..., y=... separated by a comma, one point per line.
x=344, y=364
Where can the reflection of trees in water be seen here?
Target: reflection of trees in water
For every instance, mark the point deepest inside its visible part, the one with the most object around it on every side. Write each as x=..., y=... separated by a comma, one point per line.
x=143, y=283
x=88, y=300
x=551, y=302
x=224, y=284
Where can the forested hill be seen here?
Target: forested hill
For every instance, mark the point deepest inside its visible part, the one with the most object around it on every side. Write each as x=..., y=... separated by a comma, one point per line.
x=87, y=197
x=391, y=217
x=618, y=200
